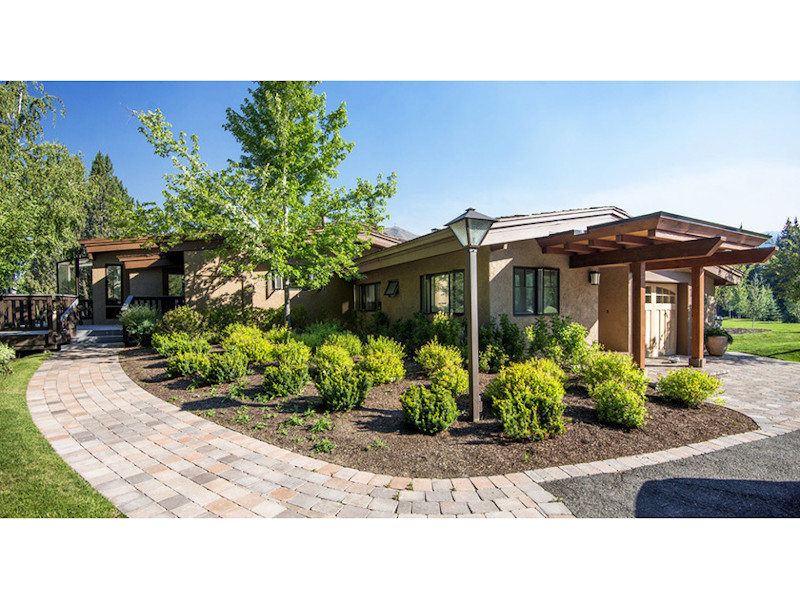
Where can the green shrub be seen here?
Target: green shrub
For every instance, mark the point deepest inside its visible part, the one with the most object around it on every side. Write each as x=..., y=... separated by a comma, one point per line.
x=718, y=331
x=618, y=404
x=7, y=354
x=182, y=319
x=382, y=367
x=249, y=341
x=188, y=364
x=138, y=322
x=348, y=341
x=491, y=359
x=277, y=335
x=225, y=367
x=506, y=336
x=559, y=339
x=528, y=400
x=299, y=317
x=384, y=344
x=428, y=410
x=602, y=366
x=342, y=389
x=549, y=367
x=452, y=378
x=332, y=358
x=284, y=380
x=689, y=386
x=446, y=329
x=291, y=353
x=434, y=356
x=171, y=344
x=318, y=333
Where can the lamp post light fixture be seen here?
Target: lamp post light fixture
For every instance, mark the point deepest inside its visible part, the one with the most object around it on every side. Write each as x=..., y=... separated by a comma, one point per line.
x=594, y=277
x=470, y=229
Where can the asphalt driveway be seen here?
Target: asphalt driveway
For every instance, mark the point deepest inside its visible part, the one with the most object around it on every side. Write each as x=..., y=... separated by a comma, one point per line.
x=757, y=479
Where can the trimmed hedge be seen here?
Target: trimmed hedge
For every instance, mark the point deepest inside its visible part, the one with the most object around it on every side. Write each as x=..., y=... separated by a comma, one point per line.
x=617, y=404
x=428, y=410
x=689, y=386
x=342, y=389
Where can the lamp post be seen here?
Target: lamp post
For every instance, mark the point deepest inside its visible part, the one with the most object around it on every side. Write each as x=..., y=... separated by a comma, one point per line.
x=470, y=229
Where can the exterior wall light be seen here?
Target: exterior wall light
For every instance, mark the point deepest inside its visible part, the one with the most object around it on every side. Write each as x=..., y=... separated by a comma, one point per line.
x=594, y=277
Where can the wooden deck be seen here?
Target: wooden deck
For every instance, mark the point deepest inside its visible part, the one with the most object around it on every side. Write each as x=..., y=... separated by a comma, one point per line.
x=37, y=321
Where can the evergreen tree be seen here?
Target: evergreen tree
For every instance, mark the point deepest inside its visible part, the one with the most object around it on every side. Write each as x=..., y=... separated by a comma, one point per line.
x=107, y=201
x=783, y=269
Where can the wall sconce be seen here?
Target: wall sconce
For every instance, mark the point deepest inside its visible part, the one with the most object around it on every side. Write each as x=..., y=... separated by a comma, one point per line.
x=594, y=277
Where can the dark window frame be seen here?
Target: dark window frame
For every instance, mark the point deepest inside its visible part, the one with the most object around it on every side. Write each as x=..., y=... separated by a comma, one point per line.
x=392, y=288
x=109, y=300
x=538, y=291
x=426, y=304
x=361, y=290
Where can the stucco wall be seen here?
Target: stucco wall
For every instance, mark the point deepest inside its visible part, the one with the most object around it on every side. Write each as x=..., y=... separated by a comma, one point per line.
x=146, y=282
x=614, y=308
x=578, y=298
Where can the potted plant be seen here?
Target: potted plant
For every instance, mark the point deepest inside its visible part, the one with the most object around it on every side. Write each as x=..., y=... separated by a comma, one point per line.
x=717, y=340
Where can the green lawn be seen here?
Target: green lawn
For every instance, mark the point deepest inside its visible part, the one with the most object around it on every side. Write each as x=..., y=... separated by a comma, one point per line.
x=34, y=480
x=781, y=341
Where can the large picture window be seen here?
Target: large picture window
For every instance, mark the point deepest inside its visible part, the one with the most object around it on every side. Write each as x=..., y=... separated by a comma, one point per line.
x=113, y=284
x=368, y=295
x=443, y=292
x=536, y=291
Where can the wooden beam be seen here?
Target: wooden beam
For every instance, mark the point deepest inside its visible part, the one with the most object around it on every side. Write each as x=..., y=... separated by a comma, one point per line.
x=638, y=288
x=698, y=316
x=579, y=248
x=555, y=250
x=732, y=257
x=697, y=248
x=632, y=240
x=603, y=245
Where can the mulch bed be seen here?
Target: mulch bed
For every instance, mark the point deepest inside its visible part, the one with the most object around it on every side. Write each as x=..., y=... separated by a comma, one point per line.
x=465, y=449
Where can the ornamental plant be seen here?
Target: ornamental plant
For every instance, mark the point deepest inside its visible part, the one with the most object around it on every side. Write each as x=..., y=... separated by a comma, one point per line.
x=224, y=367
x=714, y=331
x=182, y=319
x=328, y=358
x=342, y=389
x=291, y=353
x=508, y=339
x=446, y=329
x=382, y=367
x=384, y=344
x=491, y=359
x=7, y=354
x=452, y=378
x=434, y=356
x=170, y=344
x=349, y=341
x=318, y=333
x=689, y=386
x=560, y=339
x=600, y=366
x=618, y=404
x=428, y=410
x=138, y=323
x=249, y=341
x=284, y=380
x=188, y=364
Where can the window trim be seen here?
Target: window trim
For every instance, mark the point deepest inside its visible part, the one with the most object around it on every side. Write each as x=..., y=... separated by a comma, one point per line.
x=424, y=285
x=395, y=289
x=538, y=272
x=361, y=289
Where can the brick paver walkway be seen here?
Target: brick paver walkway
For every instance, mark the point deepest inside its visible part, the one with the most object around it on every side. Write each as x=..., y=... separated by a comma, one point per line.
x=153, y=460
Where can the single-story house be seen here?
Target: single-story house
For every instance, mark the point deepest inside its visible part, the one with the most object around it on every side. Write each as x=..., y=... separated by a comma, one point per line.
x=633, y=282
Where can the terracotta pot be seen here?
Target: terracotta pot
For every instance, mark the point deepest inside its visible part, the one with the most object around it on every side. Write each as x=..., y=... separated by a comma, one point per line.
x=717, y=345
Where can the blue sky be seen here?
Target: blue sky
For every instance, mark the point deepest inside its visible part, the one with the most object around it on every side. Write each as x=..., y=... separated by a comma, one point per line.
x=726, y=152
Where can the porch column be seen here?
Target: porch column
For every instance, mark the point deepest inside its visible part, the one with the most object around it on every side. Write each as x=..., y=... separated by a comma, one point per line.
x=637, y=312
x=698, y=316
x=682, y=326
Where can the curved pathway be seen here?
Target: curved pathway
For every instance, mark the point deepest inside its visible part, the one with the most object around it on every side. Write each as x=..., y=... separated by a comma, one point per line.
x=151, y=459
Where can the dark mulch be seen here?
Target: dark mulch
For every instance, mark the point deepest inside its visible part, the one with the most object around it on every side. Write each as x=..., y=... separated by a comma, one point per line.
x=465, y=449
x=739, y=330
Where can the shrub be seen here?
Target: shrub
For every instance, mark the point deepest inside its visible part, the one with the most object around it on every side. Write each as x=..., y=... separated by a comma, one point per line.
x=504, y=335
x=616, y=403
x=689, y=386
x=452, y=378
x=188, y=364
x=249, y=341
x=528, y=400
x=224, y=367
x=491, y=359
x=342, y=389
x=348, y=341
x=384, y=344
x=171, y=344
x=291, y=353
x=434, y=356
x=383, y=367
x=428, y=410
x=446, y=329
x=602, y=366
x=718, y=331
x=182, y=319
x=277, y=335
x=7, y=354
x=299, y=317
x=284, y=379
x=550, y=367
x=332, y=358
x=559, y=339
x=138, y=322
x=318, y=333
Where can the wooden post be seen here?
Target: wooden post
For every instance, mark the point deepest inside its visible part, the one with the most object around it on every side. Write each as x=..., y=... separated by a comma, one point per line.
x=682, y=318
x=698, y=316
x=637, y=312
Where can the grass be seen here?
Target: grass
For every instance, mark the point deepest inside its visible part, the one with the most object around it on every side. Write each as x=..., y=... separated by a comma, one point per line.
x=781, y=341
x=34, y=480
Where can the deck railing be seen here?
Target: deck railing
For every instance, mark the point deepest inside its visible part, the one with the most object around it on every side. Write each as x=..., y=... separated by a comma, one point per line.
x=51, y=317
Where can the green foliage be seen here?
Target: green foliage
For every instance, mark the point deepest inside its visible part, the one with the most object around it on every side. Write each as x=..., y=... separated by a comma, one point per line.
x=348, y=341
x=447, y=329
x=277, y=335
x=602, y=366
x=718, y=331
x=318, y=333
x=138, y=322
x=332, y=358
x=528, y=400
x=106, y=200
x=559, y=339
x=491, y=359
x=321, y=424
x=452, y=378
x=183, y=319
x=783, y=268
x=382, y=367
x=434, y=356
x=376, y=443
x=507, y=339
x=384, y=344
x=171, y=344
x=249, y=341
x=689, y=386
x=7, y=354
x=342, y=389
x=285, y=380
x=224, y=367
x=291, y=353
x=616, y=403
x=550, y=367
x=324, y=445
x=188, y=364
x=428, y=410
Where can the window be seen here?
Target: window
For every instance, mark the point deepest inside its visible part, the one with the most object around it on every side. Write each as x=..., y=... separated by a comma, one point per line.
x=536, y=291
x=113, y=284
x=65, y=277
x=276, y=282
x=368, y=296
x=443, y=292
x=393, y=288
x=659, y=295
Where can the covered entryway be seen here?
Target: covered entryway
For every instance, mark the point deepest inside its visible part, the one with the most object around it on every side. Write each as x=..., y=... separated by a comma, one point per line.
x=661, y=319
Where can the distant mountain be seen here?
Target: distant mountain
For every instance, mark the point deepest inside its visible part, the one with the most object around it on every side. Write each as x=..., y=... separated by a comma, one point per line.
x=399, y=232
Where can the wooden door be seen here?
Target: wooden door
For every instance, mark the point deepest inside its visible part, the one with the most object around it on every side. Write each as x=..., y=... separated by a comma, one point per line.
x=661, y=312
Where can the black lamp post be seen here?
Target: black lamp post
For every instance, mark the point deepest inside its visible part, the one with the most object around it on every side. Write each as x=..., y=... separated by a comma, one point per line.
x=470, y=229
